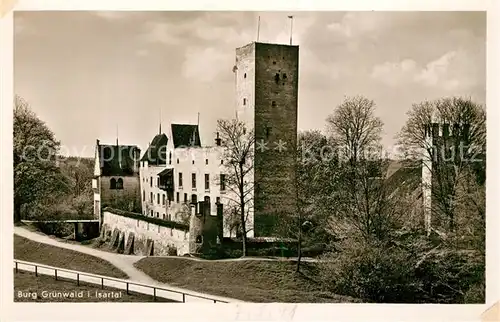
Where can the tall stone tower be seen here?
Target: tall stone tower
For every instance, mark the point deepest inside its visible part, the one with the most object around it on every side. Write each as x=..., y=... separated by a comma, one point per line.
x=267, y=96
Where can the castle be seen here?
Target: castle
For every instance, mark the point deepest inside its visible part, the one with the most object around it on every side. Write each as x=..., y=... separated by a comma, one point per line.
x=180, y=180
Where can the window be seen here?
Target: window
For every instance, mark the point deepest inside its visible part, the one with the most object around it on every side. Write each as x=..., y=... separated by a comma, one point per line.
x=163, y=199
x=284, y=75
x=178, y=198
x=277, y=78
x=185, y=198
x=180, y=179
x=112, y=183
x=199, y=239
x=244, y=101
x=157, y=214
x=274, y=62
x=222, y=182
x=143, y=195
x=217, y=200
x=152, y=215
x=170, y=158
x=245, y=75
x=119, y=183
x=158, y=198
x=192, y=162
x=158, y=181
x=273, y=103
x=151, y=182
x=151, y=197
x=177, y=160
x=194, y=198
x=193, y=180
x=163, y=216
x=207, y=181
x=206, y=161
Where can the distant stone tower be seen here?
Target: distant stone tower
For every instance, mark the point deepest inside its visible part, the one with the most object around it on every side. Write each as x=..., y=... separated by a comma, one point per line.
x=267, y=98
x=441, y=145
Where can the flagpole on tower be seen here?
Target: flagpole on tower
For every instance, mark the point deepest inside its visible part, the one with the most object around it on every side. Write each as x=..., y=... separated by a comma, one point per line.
x=291, y=28
x=258, y=29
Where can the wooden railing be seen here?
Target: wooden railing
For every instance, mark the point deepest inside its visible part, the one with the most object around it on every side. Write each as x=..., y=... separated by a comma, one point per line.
x=99, y=280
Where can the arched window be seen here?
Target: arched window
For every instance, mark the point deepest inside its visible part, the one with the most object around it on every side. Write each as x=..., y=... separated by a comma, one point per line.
x=112, y=183
x=119, y=183
x=199, y=239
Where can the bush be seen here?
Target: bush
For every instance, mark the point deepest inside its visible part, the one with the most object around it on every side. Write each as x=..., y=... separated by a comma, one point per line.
x=371, y=272
x=452, y=276
x=414, y=271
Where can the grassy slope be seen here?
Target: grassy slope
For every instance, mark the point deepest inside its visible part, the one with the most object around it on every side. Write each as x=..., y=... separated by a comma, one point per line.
x=31, y=251
x=28, y=282
x=248, y=280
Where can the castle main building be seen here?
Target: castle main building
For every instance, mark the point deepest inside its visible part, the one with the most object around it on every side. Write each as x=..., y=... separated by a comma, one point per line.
x=178, y=175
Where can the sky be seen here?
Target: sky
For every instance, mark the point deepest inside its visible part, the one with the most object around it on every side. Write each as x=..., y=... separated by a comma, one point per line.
x=91, y=74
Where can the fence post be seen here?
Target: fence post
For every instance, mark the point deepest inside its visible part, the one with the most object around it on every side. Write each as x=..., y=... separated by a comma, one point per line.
x=127, y=288
x=55, y=273
x=16, y=268
x=154, y=293
x=183, y=297
x=36, y=270
x=78, y=279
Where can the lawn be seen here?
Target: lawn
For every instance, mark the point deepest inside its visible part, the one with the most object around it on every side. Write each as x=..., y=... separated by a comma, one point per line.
x=31, y=251
x=29, y=288
x=247, y=280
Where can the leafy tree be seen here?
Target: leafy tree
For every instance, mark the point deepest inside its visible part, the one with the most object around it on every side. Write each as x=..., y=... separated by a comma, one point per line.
x=36, y=175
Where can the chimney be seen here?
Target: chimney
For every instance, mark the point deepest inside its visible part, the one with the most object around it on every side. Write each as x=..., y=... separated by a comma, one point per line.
x=217, y=140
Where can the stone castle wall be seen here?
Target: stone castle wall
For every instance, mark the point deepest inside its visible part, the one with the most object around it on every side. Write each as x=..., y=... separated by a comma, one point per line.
x=132, y=234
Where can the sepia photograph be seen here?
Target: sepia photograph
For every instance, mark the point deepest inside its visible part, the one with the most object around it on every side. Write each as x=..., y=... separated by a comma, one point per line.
x=249, y=157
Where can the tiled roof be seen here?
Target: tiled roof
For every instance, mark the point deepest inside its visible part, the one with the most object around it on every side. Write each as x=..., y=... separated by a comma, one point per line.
x=118, y=160
x=185, y=135
x=157, y=150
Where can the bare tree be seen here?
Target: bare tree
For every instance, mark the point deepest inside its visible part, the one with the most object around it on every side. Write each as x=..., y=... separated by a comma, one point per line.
x=354, y=126
x=451, y=154
x=359, y=200
x=238, y=155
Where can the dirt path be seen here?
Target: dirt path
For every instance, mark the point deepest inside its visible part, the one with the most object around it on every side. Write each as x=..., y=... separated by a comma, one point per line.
x=123, y=262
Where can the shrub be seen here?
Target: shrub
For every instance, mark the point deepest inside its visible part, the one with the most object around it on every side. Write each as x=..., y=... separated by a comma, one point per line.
x=371, y=272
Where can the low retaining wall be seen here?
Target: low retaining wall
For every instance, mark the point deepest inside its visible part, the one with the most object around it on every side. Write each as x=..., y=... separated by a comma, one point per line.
x=132, y=233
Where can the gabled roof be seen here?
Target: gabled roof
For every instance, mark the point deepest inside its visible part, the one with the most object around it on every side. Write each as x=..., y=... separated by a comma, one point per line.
x=157, y=150
x=118, y=160
x=185, y=135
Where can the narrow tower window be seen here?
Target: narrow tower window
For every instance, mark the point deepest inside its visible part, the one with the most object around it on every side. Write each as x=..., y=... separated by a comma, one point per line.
x=245, y=75
x=244, y=101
